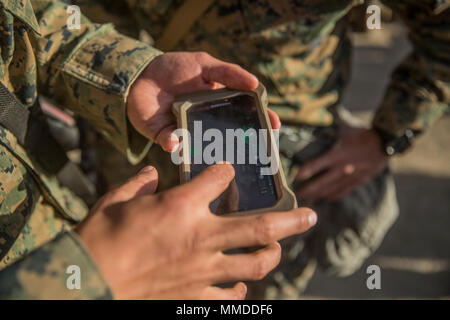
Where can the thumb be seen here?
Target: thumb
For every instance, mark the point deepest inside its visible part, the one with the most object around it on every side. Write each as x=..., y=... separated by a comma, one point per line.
x=145, y=182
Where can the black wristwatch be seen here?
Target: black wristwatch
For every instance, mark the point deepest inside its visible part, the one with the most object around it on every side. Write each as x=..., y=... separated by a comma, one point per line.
x=396, y=144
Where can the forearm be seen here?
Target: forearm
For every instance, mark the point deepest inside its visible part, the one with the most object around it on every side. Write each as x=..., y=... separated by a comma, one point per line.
x=419, y=92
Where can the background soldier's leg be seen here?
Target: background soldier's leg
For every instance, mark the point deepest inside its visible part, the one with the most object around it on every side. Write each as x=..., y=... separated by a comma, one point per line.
x=352, y=228
x=348, y=231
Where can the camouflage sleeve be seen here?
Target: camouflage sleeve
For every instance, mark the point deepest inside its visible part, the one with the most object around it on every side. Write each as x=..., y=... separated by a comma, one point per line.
x=419, y=91
x=298, y=49
x=60, y=269
x=89, y=70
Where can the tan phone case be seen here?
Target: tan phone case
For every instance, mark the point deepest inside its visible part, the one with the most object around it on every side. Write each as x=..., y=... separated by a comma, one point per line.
x=183, y=103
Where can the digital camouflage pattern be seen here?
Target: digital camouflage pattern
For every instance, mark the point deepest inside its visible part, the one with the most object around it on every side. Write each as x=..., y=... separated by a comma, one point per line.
x=300, y=51
x=42, y=273
x=298, y=48
x=89, y=72
x=419, y=92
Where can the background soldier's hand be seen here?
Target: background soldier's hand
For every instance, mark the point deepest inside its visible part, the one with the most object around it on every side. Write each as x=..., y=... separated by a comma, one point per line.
x=151, y=96
x=354, y=159
x=170, y=246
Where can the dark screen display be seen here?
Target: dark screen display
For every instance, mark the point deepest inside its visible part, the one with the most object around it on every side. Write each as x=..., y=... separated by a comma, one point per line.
x=250, y=190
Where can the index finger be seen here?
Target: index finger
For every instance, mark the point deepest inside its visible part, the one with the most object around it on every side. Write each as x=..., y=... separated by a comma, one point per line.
x=210, y=183
x=228, y=74
x=317, y=165
x=260, y=230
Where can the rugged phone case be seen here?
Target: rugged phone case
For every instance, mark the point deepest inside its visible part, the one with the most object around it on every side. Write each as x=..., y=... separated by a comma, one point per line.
x=183, y=103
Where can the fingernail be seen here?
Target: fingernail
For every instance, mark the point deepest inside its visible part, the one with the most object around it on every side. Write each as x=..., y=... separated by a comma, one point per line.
x=146, y=169
x=174, y=141
x=174, y=146
x=312, y=219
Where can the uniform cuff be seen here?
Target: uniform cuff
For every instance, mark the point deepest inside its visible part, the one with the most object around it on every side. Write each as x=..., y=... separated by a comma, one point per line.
x=407, y=109
x=99, y=76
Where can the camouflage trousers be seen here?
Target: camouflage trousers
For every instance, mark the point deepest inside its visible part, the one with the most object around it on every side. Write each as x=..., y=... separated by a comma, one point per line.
x=347, y=233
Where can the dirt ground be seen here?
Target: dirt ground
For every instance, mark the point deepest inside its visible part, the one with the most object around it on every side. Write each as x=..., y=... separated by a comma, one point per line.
x=415, y=255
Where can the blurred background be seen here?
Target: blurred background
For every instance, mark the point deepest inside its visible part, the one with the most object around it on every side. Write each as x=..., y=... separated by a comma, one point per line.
x=415, y=255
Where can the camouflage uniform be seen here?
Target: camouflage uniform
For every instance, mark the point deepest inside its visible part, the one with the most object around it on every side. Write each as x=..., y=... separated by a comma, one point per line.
x=301, y=51
x=88, y=71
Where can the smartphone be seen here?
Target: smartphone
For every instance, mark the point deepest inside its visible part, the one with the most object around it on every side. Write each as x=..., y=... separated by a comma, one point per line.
x=233, y=126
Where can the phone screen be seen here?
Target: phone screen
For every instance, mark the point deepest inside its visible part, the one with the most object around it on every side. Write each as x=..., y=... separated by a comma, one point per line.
x=250, y=189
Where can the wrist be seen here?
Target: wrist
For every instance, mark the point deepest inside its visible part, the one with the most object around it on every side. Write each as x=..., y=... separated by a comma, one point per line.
x=395, y=144
x=378, y=145
x=137, y=105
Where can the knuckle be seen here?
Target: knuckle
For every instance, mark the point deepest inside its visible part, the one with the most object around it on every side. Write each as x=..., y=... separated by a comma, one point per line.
x=234, y=65
x=277, y=252
x=231, y=70
x=178, y=196
x=170, y=200
x=195, y=242
x=202, y=55
x=265, y=230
